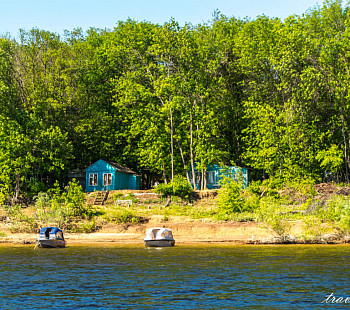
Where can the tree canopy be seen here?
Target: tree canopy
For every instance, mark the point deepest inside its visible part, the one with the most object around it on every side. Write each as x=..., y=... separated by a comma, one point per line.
x=266, y=94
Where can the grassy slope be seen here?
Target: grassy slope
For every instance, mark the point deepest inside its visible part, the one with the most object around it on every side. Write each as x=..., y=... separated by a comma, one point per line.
x=297, y=216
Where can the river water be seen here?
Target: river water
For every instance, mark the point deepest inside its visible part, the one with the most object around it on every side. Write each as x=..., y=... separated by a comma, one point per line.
x=110, y=276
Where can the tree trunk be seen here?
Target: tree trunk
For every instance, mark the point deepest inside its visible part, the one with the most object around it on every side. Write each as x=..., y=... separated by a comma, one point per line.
x=172, y=144
x=16, y=193
x=164, y=174
x=192, y=157
x=202, y=180
x=345, y=146
x=184, y=163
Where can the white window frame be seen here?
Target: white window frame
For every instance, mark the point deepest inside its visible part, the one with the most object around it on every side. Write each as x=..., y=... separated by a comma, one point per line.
x=104, y=184
x=92, y=177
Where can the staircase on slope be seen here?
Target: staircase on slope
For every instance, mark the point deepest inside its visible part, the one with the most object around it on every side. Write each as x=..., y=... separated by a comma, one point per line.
x=100, y=197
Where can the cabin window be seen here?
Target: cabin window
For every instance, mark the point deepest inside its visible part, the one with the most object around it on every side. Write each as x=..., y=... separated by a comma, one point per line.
x=93, y=179
x=107, y=179
x=211, y=177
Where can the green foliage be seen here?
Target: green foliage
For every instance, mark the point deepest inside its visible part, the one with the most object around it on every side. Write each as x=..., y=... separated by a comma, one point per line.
x=122, y=216
x=178, y=187
x=116, y=196
x=313, y=228
x=160, y=98
x=72, y=198
x=59, y=207
x=181, y=187
x=84, y=227
x=42, y=200
x=132, y=198
x=271, y=213
x=20, y=222
x=232, y=198
x=254, y=187
x=332, y=159
x=338, y=210
x=166, y=190
x=304, y=187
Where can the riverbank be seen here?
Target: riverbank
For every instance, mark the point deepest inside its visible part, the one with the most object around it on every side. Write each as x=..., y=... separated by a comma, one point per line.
x=185, y=232
x=318, y=215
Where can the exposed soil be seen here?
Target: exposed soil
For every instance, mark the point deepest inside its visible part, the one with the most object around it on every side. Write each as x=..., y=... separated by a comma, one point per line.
x=186, y=230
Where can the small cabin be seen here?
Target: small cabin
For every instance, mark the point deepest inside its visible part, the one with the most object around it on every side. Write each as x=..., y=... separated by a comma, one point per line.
x=107, y=175
x=214, y=174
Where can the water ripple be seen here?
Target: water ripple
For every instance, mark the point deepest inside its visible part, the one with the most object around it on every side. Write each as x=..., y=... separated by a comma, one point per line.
x=214, y=277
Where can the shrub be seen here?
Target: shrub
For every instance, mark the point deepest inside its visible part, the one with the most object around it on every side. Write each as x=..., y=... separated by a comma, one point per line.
x=254, y=187
x=86, y=227
x=20, y=222
x=304, y=185
x=230, y=199
x=339, y=211
x=178, y=187
x=121, y=216
x=42, y=200
x=231, y=195
x=270, y=213
x=72, y=198
x=164, y=189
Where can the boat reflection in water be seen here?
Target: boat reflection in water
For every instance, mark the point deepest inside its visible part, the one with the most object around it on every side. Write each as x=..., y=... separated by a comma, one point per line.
x=51, y=237
x=159, y=237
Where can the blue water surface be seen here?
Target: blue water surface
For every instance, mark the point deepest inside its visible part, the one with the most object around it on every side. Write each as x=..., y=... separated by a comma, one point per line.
x=182, y=277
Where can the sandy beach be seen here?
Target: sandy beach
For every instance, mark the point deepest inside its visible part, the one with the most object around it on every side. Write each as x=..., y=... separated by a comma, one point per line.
x=184, y=232
x=190, y=232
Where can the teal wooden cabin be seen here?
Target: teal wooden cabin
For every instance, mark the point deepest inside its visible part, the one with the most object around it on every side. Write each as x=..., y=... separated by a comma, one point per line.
x=214, y=174
x=106, y=175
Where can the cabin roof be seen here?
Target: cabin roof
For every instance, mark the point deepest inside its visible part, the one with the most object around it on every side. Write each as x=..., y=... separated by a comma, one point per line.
x=119, y=167
x=102, y=165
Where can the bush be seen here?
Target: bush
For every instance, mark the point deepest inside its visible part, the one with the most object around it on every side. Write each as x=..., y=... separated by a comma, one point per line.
x=254, y=187
x=72, y=198
x=20, y=222
x=121, y=216
x=270, y=213
x=230, y=199
x=42, y=200
x=339, y=211
x=178, y=187
x=163, y=189
x=86, y=227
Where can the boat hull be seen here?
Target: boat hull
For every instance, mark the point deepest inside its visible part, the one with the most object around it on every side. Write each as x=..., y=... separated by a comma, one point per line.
x=47, y=243
x=159, y=243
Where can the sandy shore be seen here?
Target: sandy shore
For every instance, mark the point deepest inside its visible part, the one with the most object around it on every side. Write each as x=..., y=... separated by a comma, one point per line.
x=186, y=232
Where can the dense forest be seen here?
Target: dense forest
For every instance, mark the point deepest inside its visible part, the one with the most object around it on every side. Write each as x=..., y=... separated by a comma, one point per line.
x=265, y=94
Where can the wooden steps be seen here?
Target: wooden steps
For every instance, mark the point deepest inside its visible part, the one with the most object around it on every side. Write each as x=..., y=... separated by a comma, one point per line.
x=100, y=197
